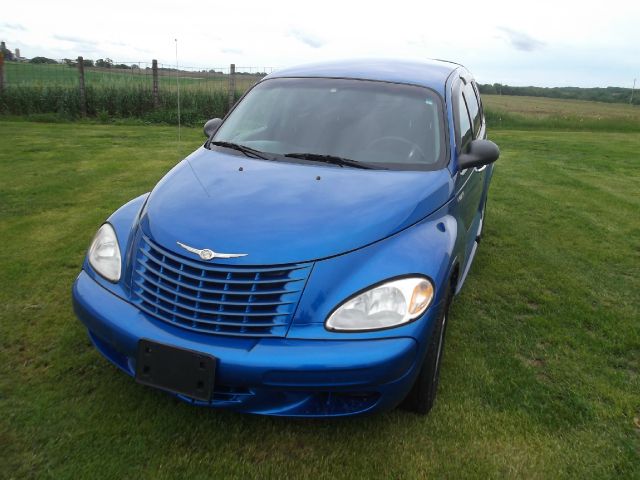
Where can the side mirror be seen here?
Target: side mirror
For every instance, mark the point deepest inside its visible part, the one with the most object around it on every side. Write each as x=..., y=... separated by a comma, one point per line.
x=211, y=126
x=481, y=153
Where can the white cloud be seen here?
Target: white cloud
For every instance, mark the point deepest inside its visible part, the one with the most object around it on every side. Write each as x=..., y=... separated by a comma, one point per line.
x=307, y=38
x=234, y=51
x=552, y=43
x=12, y=26
x=75, y=40
x=520, y=40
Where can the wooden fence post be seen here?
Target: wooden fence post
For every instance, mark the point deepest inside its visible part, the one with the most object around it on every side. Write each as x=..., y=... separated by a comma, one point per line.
x=232, y=85
x=83, y=95
x=154, y=68
x=1, y=72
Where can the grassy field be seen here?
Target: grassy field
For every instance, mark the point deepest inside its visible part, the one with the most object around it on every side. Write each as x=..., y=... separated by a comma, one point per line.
x=504, y=111
x=544, y=108
x=541, y=377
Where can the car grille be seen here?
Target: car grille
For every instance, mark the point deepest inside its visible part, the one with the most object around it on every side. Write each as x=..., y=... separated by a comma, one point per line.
x=215, y=298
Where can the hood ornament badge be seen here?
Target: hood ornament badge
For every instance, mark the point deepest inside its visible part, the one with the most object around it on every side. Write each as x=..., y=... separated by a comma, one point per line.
x=207, y=254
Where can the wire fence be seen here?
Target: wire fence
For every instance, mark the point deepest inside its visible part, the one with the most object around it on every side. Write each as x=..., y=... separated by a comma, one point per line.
x=108, y=89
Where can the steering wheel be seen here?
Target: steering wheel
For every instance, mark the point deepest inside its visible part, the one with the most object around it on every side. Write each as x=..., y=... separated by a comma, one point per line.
x=413, y=148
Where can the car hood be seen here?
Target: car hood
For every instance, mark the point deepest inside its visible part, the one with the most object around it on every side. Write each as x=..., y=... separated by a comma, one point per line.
x=279, y=212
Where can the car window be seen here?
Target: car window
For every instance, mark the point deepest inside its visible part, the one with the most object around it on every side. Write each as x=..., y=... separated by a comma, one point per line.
x=261, y=113
x=384, y=124
x=472, y=105
x=475, y=89
x=466, y=134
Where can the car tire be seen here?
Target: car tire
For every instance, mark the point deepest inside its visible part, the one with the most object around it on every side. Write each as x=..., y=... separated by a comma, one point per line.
x=422, y=395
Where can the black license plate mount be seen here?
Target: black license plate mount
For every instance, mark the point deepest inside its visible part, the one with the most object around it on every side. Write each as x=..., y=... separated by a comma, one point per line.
x=176, y=370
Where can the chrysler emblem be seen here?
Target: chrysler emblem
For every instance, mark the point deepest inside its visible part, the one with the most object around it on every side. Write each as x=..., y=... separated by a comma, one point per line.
x=208, y=254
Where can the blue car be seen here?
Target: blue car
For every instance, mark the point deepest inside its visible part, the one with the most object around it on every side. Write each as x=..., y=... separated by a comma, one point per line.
x=302, y=261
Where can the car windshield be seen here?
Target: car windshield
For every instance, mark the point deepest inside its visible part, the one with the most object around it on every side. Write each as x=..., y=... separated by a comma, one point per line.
x=378, y=124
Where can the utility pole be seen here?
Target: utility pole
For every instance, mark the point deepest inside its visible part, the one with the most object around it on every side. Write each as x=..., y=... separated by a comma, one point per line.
x=178, y=90
x=1, y=72
x=632, y=89
x=83, y=94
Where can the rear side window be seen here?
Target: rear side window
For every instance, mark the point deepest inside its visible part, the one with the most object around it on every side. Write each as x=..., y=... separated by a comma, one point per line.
x=466, y=134
x=472, y=105
x=475, y=89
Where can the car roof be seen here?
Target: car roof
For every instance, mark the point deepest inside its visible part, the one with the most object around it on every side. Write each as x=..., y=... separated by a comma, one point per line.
x=429, y=73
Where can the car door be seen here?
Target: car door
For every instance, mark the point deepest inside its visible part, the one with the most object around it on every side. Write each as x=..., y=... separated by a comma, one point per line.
x=469, y=182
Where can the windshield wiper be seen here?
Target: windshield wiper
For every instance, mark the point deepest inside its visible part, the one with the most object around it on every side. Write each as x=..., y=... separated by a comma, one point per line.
x=332, y=159
x=248, y=151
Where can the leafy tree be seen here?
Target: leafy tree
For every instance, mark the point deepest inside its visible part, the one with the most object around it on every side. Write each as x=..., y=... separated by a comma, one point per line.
x=106, y=63
x=598, y=94
x=42, y=60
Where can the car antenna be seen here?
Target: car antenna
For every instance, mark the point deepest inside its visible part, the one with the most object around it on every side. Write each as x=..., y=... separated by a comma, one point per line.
x=178, y=90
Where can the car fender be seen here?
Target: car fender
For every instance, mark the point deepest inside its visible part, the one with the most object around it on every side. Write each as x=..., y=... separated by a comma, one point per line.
x=124, y=221
x=428, y=248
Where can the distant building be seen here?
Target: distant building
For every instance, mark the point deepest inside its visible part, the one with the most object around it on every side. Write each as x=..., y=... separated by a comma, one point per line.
x=8, y=55
x=17, y=56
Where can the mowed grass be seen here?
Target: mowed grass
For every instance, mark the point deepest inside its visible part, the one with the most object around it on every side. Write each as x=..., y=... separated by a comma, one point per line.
x=541, y=377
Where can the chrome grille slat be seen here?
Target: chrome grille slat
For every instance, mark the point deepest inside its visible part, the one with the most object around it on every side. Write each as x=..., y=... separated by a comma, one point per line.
x=215, y=298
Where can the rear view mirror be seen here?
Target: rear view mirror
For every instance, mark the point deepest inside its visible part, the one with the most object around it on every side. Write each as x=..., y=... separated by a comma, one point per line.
x=481, y=153
x=211, y=126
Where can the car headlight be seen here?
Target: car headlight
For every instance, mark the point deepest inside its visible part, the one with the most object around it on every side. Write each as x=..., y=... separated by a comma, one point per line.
x=104, y=253
x=386, y=305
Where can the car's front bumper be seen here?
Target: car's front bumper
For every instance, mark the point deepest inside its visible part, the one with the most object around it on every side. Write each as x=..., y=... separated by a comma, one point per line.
x=273, y=376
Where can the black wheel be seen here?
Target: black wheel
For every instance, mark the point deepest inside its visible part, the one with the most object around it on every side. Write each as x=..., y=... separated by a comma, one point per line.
x=423, y=393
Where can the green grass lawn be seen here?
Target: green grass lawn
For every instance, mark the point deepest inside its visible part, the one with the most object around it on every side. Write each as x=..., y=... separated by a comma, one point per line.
x=541, y=377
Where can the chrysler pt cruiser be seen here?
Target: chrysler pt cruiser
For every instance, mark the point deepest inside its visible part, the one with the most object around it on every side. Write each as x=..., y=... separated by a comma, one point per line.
x=302, y=261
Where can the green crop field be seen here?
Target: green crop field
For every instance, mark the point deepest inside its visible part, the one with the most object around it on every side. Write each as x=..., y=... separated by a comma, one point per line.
x=111, y=93
x=541, y=376
x=29, y=75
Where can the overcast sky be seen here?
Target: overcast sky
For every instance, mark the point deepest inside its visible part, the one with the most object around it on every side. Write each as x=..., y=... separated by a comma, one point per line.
x=545, y=43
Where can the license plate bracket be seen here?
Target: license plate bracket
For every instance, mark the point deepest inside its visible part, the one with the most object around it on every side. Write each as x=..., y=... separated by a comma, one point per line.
x=175, y=369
